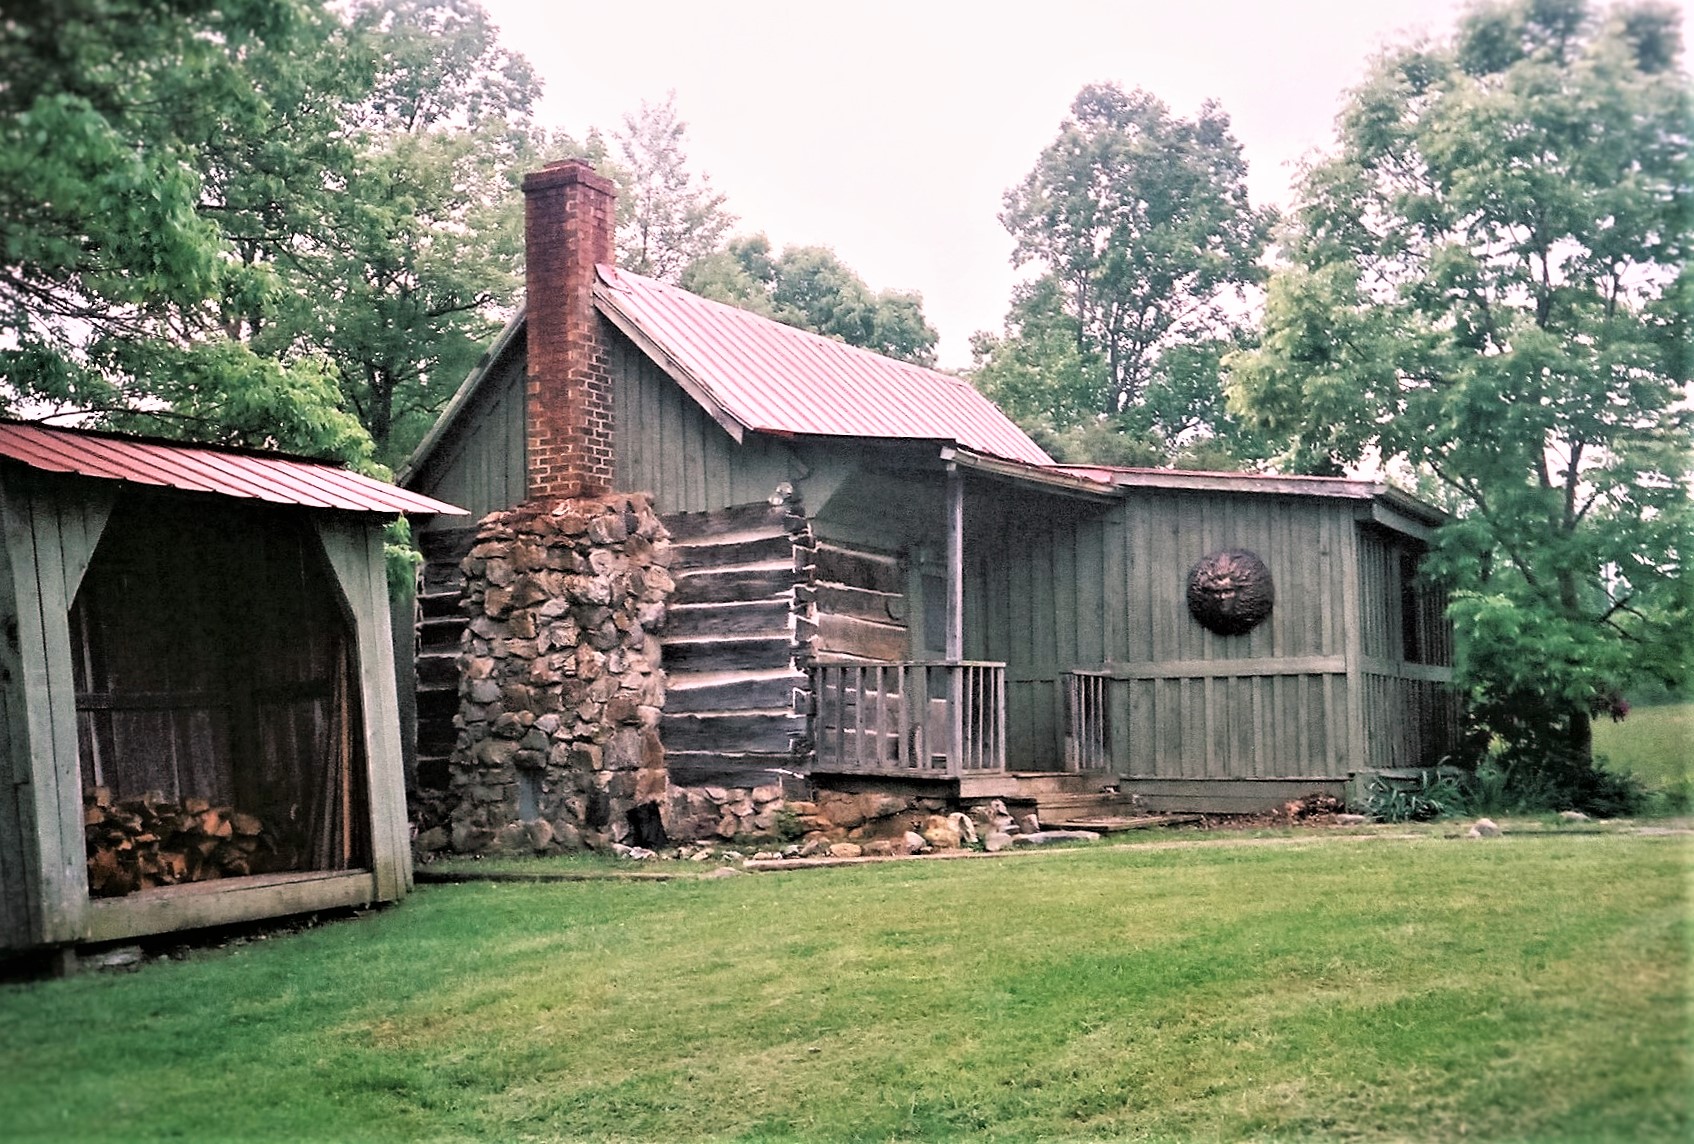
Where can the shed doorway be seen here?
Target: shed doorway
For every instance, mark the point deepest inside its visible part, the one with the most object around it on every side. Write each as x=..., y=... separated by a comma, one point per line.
x=218, y=722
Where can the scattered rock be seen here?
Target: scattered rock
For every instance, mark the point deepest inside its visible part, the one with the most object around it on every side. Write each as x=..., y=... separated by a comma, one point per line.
x=846, y=850
x=1029, y=824
x=1351, y=819
x=767, y=856
x=540, y=833
x=640, y=854
x=962, y=823
x=1045, y=837
x=879, y=848
x=915, y=842
x=125, y=958
x=433, y=839
x=942, y=834
x=997, y=841
x=1484, y=828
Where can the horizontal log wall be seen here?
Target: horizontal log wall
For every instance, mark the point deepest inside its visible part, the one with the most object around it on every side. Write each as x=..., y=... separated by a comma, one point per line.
x=736, y=707
x=861, y=604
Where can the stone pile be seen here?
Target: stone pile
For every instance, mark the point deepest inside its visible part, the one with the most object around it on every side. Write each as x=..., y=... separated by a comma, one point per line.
x=560, y=683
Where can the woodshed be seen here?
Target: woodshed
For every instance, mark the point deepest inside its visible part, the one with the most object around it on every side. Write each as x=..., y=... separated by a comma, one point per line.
x=196, y=688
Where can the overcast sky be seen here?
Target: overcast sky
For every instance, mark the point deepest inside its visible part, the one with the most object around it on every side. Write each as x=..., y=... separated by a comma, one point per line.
x=891, y=130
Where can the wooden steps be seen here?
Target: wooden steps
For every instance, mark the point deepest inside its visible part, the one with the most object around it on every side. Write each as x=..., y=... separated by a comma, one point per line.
x=1057, y=806
x=1119, y=825
x=439, y=625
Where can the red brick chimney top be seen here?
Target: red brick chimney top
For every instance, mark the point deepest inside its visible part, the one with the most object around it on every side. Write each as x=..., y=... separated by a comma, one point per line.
x=563, y=172
x=570, y=221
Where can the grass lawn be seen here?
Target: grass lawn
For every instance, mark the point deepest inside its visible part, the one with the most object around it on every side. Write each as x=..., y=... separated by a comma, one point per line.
x=1656, y=745
x=1307, y=987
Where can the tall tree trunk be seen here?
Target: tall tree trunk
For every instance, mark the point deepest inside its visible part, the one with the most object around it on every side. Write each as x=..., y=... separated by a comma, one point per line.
x=1579, y=737
x=1579, y=730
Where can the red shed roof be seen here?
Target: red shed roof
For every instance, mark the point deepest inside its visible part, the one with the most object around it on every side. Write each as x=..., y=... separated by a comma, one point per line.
x=754, y=373
x=207, y=469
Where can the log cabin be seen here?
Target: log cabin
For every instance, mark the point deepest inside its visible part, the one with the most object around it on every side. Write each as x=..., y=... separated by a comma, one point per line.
x=197, y=703
x=879, y=577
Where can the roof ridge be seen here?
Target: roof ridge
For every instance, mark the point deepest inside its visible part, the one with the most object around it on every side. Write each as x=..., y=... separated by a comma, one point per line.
x=610, y=274
x=772, y=377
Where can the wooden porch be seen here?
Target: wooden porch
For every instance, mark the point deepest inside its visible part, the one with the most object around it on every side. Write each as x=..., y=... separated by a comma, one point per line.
x=913, y=718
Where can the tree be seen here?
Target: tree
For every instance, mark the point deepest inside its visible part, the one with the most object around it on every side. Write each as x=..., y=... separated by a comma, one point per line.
x=668, y=217
x=401, y=270
x=1140, y=225
x=811, y=288
x=241, y=221
x=126, y=207
x=1489, y=280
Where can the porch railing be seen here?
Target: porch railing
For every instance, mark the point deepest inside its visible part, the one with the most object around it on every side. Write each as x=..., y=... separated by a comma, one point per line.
x=930, y=719
x=1088, y=721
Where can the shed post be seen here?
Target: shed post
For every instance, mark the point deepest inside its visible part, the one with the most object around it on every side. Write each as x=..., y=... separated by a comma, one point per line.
x=49, y=542
x=354, y=549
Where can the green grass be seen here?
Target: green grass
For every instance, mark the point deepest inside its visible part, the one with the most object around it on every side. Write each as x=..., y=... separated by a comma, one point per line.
x=1346, y=987
x=1656, y=745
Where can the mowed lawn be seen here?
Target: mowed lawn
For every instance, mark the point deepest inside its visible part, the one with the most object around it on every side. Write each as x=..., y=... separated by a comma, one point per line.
x=1656, y=745
x=1310, y=987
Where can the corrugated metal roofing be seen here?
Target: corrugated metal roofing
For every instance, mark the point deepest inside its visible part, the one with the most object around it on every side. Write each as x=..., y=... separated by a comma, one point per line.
x=207, y=469
x=774, y=378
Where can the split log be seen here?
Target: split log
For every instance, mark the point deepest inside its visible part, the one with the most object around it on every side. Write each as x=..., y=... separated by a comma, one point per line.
x=139, y=843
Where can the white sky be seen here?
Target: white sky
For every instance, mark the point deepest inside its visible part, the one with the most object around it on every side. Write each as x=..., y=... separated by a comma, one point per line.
x=891, y=130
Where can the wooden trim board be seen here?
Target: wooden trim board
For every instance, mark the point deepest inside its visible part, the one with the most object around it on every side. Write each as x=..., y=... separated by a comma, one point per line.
x=225, y=901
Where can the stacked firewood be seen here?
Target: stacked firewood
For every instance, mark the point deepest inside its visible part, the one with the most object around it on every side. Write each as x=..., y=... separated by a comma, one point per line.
x=138, y=843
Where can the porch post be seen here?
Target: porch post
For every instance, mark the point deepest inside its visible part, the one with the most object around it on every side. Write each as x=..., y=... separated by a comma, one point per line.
x=955, y=616
x=955, y=563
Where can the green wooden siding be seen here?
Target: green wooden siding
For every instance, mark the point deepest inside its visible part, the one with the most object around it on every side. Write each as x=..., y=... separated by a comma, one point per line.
x=667, y=445
x=353, y=549
x=1058, y=586
x=479, y=466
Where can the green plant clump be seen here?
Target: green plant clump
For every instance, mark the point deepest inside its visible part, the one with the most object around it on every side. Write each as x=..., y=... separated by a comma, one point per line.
x=1432, y=795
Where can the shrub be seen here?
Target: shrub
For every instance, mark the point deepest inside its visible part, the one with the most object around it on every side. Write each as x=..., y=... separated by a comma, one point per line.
x=1432, y=794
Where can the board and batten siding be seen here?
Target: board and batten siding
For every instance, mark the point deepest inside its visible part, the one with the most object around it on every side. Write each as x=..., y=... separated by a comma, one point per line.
x=50, y=527
x=479, y=466
x=1410, y=717
x=1106, y=589
x=669, y=446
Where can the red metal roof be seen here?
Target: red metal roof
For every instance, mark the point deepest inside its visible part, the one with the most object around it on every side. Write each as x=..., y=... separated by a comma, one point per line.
x=207, y=469
x=773, y=378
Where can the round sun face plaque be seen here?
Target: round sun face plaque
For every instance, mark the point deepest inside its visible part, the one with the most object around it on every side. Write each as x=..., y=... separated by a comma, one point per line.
x=1230, y=592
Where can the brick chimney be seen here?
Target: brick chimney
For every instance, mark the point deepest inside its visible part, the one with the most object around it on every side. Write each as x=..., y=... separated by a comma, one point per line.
x=569, y=222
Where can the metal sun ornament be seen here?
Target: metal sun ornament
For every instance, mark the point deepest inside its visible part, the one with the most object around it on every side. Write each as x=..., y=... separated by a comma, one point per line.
x=1230, y=592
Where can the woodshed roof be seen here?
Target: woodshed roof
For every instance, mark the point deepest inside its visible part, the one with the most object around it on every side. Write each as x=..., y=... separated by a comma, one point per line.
x=241, y=473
